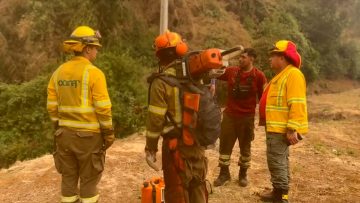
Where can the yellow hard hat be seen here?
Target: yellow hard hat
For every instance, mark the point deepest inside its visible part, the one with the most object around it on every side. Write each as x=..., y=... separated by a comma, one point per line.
x=80, y=37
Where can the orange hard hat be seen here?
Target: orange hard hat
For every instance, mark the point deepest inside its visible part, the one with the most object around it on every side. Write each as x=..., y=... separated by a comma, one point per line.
x=171, y=39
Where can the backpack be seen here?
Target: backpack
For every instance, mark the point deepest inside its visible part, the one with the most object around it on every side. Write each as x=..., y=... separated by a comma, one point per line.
x=201, y=116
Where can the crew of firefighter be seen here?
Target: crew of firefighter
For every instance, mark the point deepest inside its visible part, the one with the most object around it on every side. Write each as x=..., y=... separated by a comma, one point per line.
x=80, y=108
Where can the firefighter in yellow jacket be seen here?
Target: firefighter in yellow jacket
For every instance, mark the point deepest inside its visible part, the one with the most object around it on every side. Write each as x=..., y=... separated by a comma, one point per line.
x=284, y=113
x=184, y=166
x=79, y=106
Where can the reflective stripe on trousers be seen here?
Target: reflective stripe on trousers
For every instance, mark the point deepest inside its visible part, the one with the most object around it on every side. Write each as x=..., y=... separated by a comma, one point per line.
x=69, y=199
x=90, y=199
x=233, y=129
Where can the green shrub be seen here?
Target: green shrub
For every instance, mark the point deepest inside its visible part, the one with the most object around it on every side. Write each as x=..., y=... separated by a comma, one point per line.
x=211, y=10
x=26, y=131
x=284, y=26
x=126, y=58
x=350, y=55
x=127, y=89
x=25, y=126
x=324, y=33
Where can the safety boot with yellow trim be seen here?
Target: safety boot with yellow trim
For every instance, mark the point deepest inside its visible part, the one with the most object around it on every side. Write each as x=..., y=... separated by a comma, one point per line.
x=281, y=196
x=275, y=196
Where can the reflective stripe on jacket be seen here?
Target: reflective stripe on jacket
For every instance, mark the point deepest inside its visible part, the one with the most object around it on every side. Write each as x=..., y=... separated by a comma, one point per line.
x=163, y=98
x=286, y=102
x=78, y=96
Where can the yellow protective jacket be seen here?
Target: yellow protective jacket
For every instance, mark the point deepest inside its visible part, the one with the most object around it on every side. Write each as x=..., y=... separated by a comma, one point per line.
x=286, y=102
x=162, y=98
x=78, y=96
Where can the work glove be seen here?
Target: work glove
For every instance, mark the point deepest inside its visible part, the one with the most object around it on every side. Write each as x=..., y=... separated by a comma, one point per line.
x=108, y=141
x=293, y=137
x=150, y=156
x=108, y=136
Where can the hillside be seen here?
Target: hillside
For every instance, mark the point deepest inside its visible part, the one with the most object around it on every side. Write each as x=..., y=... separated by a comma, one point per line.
x=324, y=166
x=31, y=51
x=31, y=32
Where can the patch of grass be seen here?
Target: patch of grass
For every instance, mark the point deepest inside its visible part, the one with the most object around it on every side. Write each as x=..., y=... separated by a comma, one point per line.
x=297, y=168
x=352, y=152
x=320, y=147
x=345, y=152
x=337, y=152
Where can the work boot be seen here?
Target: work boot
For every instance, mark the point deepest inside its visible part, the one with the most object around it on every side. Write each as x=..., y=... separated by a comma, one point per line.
x=267, y=196
x=223, y=176
x=275, y=196
x=243, y=182
x=281, y=196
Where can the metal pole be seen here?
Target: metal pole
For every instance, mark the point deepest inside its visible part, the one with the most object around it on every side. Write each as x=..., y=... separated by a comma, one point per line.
x=164, y=16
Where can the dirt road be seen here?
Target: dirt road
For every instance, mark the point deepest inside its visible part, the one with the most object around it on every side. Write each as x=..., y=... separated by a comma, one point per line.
x=325, y=166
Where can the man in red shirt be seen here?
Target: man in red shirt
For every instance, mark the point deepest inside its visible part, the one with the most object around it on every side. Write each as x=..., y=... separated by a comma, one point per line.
x=245, y=86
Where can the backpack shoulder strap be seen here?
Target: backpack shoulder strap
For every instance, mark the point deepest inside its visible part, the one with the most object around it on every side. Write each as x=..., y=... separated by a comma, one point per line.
x=150, y=80
x=170, y=80
x=181, y=84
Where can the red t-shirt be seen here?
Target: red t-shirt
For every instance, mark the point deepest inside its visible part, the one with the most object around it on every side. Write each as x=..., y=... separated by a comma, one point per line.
x=241, y=107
